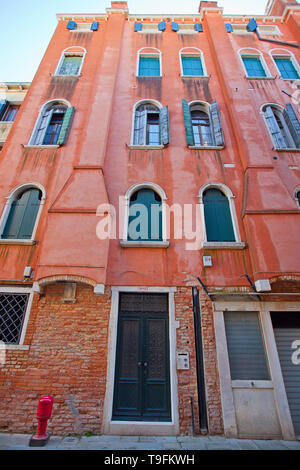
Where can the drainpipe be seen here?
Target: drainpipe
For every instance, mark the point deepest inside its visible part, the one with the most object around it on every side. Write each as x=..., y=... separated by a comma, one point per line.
x=199, y=362
x=253, y=27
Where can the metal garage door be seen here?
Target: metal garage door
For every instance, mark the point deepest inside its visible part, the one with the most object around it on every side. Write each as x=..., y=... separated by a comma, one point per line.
x=287, y=335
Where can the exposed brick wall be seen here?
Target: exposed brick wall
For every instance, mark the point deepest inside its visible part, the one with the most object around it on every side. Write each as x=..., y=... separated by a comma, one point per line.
x=213, y=395
x=187, y=379
x=67, y=358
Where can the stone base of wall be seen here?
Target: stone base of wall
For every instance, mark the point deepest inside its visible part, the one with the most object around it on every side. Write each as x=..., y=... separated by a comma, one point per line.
x=67, y=358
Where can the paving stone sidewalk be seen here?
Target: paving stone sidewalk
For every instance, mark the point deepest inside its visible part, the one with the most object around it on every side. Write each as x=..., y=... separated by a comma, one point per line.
x=184, y=443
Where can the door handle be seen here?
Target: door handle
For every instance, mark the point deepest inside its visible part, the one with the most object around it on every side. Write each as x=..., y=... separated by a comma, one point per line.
x=139, y=364
x=145, y=364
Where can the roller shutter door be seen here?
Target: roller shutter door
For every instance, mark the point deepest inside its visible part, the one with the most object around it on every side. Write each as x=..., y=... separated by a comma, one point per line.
x=287, y=336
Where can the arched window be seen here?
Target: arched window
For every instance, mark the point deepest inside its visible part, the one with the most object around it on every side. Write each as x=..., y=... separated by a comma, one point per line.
x=218, y=220
x=297, y=197
x=283, y=126
x=192, y=62
x=53, y=124
x=254, y=63
x=286, y=64
x=145, y=216
x=149, y=62
x=202, y=124
x=71, y=61
x=151, y=124
x=22, y=215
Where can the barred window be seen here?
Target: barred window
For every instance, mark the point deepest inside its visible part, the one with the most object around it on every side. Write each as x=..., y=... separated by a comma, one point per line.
x=12, y=314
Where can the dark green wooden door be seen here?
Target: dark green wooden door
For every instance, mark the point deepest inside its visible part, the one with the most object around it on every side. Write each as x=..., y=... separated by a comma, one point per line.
x=142, y=375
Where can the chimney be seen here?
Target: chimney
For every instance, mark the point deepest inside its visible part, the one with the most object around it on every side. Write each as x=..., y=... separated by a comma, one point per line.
x=119, y=6
x=204, y=5
x=277, y=7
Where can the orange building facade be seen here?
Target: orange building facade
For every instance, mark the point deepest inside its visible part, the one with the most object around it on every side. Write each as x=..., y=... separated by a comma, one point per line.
x=194, y=327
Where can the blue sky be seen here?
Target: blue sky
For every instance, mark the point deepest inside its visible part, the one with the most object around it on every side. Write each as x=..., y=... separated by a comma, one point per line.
x=26, y=27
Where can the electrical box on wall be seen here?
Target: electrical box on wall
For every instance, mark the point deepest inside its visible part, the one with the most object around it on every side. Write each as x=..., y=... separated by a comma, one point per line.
x=27, y=271
x=183, y=360
x=207, y=261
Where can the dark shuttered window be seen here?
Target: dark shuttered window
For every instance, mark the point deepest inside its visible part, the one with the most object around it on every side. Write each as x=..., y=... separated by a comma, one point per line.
x=22, y=215
x=151, y=125
x=245, y=345
x=145, y=216
x=218, y=221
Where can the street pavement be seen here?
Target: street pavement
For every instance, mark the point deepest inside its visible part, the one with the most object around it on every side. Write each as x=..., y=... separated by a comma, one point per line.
x=145, y=443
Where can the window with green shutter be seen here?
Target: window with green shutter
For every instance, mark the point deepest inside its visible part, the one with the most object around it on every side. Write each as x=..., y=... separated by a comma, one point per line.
x=151, y=125
x=218, y=220
x=70, y=65
x=192, y=66
x=53, y=124
x=149, y=66
x=283, y=126
x=22, y=215
x=286, y=68
x=145, y=216
x=254, y=67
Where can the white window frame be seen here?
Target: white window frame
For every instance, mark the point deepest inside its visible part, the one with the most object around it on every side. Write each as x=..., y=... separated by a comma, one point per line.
x=290, y=138
x=197, y=53
x=82, y=28
x=256, y=54
x=149, y=28
x=67, y=52
x=143, y=146
x=186, y=28
x=20, y=290
x=155, y=54
x=6, y=211
x=237, y=244
x=285, y=54
x=38, y=120
x=155, y=244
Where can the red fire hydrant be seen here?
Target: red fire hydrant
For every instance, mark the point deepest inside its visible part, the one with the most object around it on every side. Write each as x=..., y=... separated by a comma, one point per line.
x=44, y=412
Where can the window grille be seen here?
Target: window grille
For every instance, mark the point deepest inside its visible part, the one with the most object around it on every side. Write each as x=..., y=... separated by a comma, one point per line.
x=12, y=313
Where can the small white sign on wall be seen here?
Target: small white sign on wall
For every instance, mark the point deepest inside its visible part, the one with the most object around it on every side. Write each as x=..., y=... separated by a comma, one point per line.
x=183, y=360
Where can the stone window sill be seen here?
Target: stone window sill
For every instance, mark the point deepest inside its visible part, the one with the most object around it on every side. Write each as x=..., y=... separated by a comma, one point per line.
x=294, y=150
x=206, y=147
x=195, y=76
x=16, y=347
x=17, y=241
x=224, y=245
x=41, y=146
x=144, y=244
x=260, y=78
x=145, y=147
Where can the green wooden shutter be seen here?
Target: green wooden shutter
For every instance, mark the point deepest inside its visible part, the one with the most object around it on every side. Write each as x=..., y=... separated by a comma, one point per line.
x=247, y=357
x=148, y=225
x=293, y=124
x=29, y=215
x=138, y=27
x=218, y=222
x=229, y=27
x=95, y=26
x=187, y=123
x=71, y=25
x=198, y=27
x=65, y=126
x=139, y=133
x=164, y=125
x=162, y=26
x=216, y=124
x=175, y=26
x=274, y=129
